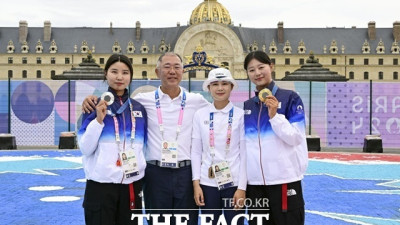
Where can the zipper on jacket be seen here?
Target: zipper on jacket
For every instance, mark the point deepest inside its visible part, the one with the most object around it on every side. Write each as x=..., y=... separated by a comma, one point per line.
x=259, y=140
x=123, y=123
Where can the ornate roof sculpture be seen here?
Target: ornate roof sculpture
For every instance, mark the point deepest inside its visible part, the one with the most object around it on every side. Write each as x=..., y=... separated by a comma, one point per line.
x=210, y=10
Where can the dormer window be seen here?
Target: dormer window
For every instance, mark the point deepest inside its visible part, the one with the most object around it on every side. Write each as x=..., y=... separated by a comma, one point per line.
x=380, y=49
x=116, y=48
x=253, y=47
x=163, y=47
x=333, y=49
x=10, y=47
x=395, y=47
x=39, y=47
x=53, y=47
x=84, y=47
x=144, y=49
x=272, y=47
x=301, y=49
x=287, y=49
x=130, y=48
x=365, y=48
x=25, y=47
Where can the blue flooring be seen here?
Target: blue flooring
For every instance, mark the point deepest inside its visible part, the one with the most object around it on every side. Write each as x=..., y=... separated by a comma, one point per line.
x=335, y=193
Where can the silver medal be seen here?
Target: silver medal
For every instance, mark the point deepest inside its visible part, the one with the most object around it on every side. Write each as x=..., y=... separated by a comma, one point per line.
x=108, y=97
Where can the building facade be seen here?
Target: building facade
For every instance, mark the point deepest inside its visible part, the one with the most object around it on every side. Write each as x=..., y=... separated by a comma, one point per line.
x=358, y=53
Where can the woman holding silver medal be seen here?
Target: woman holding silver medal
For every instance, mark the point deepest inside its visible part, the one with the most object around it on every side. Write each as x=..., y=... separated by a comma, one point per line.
x=111, y=140
x=218, y=151
x=277, y=155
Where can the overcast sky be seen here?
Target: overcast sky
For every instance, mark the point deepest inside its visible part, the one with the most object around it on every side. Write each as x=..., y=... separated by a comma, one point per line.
x=166, y=13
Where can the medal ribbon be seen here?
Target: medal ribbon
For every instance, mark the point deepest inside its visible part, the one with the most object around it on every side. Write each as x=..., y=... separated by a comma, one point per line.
x=274, y=89
x=133, y=129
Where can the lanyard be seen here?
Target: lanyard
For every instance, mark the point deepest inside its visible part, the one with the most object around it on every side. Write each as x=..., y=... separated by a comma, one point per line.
x=228, y=134
x=274, y=89
x=159, y=114
x=133, y=129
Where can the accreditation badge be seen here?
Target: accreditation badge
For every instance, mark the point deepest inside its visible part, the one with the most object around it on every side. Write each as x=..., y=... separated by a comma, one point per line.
x=223, y=175
x=129, y=163
x=169, y=154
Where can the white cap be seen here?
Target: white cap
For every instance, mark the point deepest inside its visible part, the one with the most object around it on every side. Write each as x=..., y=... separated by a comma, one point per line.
x=219, y=74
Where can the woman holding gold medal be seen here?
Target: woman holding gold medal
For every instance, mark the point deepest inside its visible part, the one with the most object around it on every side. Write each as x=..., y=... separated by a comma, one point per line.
x=277, y=156
x=112, y=139
x=218, y=151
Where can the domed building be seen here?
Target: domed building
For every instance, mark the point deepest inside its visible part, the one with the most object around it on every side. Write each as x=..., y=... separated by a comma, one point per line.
x=210, y=11
x=357, y=53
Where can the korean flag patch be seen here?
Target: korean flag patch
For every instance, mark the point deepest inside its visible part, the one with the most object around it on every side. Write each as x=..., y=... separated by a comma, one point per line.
x=137, y=114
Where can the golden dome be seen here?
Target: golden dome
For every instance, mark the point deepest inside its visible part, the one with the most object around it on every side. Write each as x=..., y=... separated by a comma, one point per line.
x=218, y=13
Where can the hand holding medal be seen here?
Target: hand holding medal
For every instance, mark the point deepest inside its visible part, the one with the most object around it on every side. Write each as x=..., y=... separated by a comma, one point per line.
x=107, y=98
x=264, y=93
x=266, y=96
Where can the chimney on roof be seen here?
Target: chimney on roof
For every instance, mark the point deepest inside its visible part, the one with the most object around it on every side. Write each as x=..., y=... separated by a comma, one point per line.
x=111, y=29
x=23, y=31
x=47, y=31
x=137, y=30
x=178, y=24
x=280, y=33
x=396, y=30
x=371, y=30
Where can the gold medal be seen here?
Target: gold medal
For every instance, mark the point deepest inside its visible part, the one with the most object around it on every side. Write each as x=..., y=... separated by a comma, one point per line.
x=211, y=173
x=263, y=94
